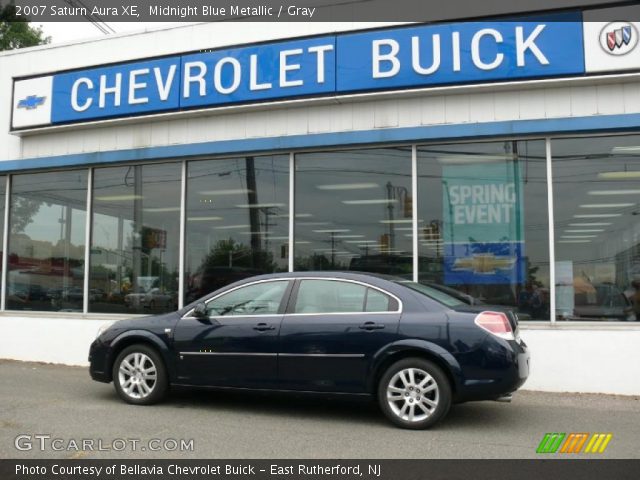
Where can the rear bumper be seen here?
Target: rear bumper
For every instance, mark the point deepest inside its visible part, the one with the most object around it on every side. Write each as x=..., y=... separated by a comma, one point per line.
x=504, y=368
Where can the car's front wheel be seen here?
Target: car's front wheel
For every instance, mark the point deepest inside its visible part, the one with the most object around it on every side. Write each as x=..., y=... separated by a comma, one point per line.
x=139, y=375
x=414, y=393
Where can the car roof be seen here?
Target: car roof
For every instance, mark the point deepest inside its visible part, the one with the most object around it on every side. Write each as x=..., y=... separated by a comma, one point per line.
x=348, y=275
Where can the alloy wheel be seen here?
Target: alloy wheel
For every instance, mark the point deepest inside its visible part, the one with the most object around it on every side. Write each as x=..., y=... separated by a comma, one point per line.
x=137, y=375
x=413, y=394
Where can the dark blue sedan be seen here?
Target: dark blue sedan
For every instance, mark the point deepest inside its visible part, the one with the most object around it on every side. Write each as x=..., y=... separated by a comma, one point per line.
x=417, y=349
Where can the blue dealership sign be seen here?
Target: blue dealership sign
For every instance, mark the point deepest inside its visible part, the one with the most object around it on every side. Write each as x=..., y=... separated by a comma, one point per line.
x=389, y=59
x=461, y=53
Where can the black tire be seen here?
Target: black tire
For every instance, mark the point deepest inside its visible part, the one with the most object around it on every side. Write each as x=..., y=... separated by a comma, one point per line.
x=408, y=406
x=134, y=383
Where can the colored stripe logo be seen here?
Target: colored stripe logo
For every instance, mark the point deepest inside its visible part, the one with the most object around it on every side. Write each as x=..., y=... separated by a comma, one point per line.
x=574, y=442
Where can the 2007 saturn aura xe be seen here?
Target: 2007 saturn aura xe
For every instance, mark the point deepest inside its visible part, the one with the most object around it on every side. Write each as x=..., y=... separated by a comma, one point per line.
x=414, y=347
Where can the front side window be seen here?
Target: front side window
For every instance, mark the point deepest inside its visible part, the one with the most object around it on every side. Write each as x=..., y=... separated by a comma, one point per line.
x=258, y=299
x=332, y=296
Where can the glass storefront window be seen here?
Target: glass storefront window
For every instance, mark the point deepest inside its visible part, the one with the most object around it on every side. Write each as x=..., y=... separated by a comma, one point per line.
x=597, y=228
x=47, y=221
x=483, y=223
x=237, y=221
x=135, y=239
x=354, y=211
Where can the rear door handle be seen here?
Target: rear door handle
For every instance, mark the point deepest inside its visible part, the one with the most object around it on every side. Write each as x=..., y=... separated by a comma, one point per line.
x=371, y=326
x=263, y=327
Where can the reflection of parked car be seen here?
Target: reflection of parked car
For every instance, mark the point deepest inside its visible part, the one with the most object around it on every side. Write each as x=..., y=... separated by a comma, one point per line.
x=416, y=349
x=27, y=292
x=154, y=298
x=207, y=279
x=603, y=301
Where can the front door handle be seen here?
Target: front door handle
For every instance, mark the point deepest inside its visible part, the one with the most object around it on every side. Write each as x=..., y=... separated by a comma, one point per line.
x=371, y=326
x=263, y=327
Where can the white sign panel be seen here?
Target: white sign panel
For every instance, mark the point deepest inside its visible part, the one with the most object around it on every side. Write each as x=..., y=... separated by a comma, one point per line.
x=32, y=102
x=611, y=46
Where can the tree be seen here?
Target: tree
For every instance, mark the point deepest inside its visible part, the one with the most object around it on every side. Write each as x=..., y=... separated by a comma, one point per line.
x=15, y=31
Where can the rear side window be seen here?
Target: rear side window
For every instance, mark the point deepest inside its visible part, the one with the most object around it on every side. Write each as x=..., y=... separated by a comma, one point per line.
x=333, y=296
x=377, y=301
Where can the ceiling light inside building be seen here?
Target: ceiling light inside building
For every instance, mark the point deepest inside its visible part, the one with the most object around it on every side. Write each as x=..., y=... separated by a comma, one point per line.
x=374, y=201
x=625, y=150
x=347, y=186
x=607, y=205
x=614, y=192
x=462, y=159
x=161, y=209
x=598, y=215
x=231, y=191
x=261, y=205
x=203, y=219
x=619, y=175
x=118, y=198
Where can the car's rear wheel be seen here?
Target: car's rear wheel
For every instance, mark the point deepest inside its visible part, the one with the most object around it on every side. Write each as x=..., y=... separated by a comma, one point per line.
x=414, y=393
x=139, y=375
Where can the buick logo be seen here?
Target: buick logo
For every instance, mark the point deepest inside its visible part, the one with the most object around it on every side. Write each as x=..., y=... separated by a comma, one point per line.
x=618, y=38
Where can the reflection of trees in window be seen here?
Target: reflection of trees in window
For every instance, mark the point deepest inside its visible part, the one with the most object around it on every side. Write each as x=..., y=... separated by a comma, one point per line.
x=23, y=210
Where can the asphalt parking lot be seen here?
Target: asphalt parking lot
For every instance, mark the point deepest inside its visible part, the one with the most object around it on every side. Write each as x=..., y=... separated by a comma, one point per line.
x=63, y=403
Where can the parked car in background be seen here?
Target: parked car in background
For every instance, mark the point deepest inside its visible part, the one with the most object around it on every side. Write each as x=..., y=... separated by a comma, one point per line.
x=153, y=298
x=416, y=349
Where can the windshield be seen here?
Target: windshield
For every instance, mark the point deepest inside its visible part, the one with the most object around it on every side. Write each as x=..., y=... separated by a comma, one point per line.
x=432, y=293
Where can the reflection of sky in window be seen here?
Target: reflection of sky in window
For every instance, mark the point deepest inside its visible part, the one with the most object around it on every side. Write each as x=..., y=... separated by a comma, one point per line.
x=52, y=194
x=46, y=225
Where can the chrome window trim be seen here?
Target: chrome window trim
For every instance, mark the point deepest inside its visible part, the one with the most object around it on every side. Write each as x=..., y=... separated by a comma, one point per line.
x=336, y=279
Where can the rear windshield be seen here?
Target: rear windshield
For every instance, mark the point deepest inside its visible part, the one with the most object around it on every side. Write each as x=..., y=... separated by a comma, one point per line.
x=437, y=295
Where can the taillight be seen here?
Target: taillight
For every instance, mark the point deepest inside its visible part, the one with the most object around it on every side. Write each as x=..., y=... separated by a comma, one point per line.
x=495, y=323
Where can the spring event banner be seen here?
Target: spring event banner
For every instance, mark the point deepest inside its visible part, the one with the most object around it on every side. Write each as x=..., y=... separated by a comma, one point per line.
x=483, y=228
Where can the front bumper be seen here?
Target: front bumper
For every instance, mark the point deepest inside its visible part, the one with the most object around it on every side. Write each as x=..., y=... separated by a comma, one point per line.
x=98, y=365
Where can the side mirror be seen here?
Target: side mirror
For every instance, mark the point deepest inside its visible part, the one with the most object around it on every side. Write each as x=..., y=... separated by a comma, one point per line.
x=200, y=311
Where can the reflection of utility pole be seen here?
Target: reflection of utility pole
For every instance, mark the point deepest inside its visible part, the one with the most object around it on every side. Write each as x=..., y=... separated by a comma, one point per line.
x=137, y=224
x=67, y=247
x=254, y=214
x=394, y=193
x=333, y=249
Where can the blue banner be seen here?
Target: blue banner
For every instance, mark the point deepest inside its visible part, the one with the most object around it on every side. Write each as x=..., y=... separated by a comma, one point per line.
x=483, y=227
x=397, y=58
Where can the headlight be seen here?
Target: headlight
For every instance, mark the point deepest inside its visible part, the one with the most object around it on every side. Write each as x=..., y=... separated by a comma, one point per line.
x=103, y=328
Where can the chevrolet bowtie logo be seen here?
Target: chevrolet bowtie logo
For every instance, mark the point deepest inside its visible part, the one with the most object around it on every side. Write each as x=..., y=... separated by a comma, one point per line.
x=484, y=263
x=31, y=102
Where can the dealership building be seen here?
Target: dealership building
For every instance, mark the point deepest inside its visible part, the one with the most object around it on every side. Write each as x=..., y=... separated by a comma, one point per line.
x=496, y=158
